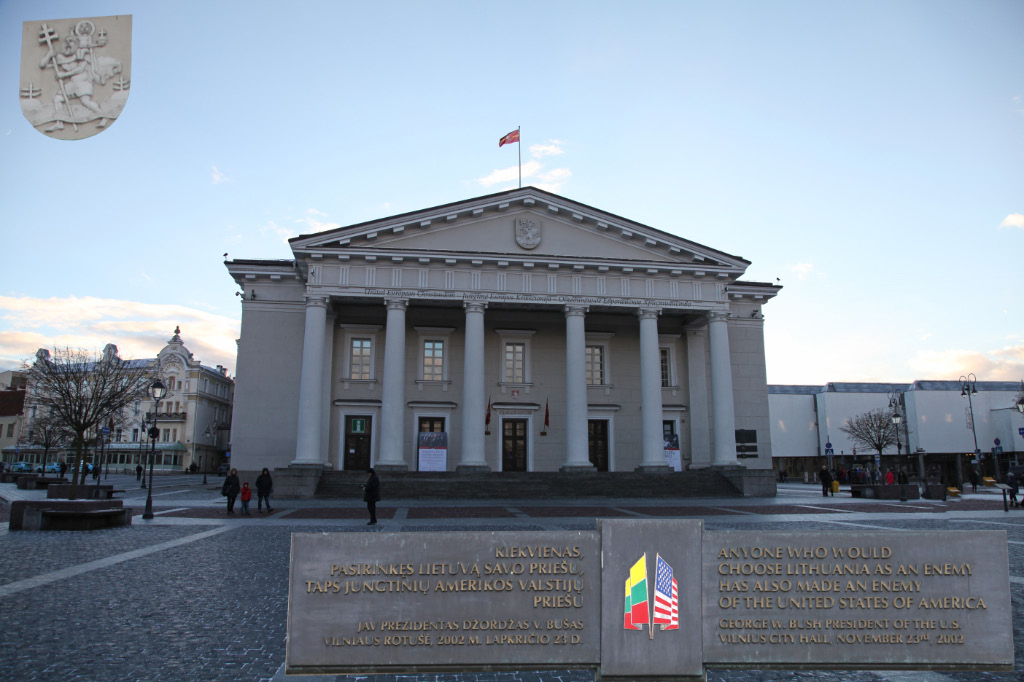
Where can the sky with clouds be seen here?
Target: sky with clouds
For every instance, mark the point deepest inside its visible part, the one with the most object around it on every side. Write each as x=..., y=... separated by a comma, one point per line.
x=867, y=156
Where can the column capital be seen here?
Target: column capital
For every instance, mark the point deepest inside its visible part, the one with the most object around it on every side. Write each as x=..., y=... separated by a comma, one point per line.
x=717, y=316
x=648, y=313
x=397, y=303
x=575, y=310
x=474, y=306
x=317, y=301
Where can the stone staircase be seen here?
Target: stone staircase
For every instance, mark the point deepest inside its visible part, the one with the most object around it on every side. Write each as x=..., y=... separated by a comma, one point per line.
x=534, y=486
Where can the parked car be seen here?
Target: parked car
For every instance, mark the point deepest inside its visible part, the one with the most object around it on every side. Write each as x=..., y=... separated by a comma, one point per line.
x=51, y=468
x=21, y=466
x=223, y=469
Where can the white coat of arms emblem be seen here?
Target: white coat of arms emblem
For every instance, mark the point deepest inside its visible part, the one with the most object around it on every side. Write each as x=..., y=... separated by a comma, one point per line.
x=528, y=232
x=75, y=74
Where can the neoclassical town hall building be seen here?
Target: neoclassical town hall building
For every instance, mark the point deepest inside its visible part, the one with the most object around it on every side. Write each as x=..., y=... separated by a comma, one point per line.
x=524, y=331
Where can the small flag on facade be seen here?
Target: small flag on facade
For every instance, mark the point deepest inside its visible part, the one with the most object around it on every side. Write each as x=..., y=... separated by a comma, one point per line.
x=666, y=597
x=637, y=609
x=510, y=138
x=547, y=416
x=487, y=418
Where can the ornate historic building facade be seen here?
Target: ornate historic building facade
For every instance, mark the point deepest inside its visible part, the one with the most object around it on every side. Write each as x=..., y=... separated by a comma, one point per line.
x=526, y=331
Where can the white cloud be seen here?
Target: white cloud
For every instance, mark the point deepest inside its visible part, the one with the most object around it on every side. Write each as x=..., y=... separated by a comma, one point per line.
x=553, y=180
x=1001, y=364
x=801, y=270
x=509, y=174
x=139, y=330
x=551, y=148
x=1013, y=220
x=217, y=177
x=272, y=228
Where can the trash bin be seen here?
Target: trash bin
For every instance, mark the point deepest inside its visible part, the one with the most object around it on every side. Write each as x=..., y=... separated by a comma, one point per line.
x=835, y=486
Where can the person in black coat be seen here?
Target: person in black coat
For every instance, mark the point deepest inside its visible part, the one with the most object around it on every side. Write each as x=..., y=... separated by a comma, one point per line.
x=264, y=486
x=230, y=489
x=825, y=476
x=371, y=495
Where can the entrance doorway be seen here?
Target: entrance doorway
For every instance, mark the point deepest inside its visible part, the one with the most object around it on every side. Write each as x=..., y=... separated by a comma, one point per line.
x=513, y=444
x=597, y=443
x=357, y=442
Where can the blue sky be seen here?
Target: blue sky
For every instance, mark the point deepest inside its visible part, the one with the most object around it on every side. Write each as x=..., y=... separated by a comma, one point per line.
x=868, y=155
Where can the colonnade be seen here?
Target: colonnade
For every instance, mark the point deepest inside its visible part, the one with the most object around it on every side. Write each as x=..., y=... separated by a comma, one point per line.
x=309, y=449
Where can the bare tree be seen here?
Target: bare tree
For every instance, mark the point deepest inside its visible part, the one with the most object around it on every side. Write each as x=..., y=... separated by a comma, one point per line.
x=82, y=390
x=873, y=429
x=48, y=432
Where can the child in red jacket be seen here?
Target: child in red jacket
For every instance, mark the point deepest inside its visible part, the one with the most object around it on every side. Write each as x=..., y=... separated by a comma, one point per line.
x=246, y=496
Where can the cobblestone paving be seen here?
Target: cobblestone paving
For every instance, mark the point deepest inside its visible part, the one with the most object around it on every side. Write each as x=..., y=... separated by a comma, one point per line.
x=214, y=609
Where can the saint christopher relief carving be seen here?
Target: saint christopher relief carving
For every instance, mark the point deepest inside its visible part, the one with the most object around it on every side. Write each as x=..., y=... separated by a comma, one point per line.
x=528, y=232
x=75, y=74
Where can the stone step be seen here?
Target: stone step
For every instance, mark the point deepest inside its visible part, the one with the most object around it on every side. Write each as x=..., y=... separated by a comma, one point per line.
x=535, y=485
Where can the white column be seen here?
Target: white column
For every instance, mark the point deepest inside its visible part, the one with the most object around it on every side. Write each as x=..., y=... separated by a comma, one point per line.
x=392, y=411
x=311, y=383
x=697, y=371
x=577, y=455
x=723, y=418
x=652, y=436
x=474, y=410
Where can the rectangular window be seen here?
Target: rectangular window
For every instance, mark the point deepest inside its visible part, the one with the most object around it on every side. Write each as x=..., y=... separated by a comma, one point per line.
x=135, y=435
x=359, y=359
x=10, y=430
x=595, y=365
x=666, y=368
x=515, y=362
x=433, y=360
x=118, y=435
x=166, y=436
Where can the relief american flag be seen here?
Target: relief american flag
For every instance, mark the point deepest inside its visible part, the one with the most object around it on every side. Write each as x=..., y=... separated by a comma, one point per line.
x=666, y=597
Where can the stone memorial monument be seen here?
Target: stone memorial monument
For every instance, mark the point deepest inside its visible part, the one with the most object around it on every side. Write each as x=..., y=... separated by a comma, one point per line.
x=648, y=599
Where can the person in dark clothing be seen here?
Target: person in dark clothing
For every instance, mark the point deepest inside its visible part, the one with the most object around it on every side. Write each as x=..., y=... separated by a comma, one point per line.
x=973, y=477
x=138, y=472
x=264, y=486
x=826, y=482
x=1011, y=481
x=231, y=488
x=371, y=495
x=63, y=468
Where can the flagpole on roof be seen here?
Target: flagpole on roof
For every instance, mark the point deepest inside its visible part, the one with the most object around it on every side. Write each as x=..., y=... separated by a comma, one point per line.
x=519, y=148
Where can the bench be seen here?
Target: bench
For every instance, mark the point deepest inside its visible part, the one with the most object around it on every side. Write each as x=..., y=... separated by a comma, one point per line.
x=19, y=509
x=881, y=491
x=989, y=482
x=75, y=519
x=84, y=492
x=953, y=492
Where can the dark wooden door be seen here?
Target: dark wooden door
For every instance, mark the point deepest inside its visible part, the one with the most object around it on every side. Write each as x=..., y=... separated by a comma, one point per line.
x=513, y=445
x=597, y=442
x=357, y=442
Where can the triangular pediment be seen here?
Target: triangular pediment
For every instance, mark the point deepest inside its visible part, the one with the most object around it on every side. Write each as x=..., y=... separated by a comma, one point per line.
x=521, y=224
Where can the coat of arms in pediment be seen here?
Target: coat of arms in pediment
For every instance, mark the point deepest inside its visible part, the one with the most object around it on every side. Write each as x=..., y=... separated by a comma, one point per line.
x=528, y=232
x=75, y=74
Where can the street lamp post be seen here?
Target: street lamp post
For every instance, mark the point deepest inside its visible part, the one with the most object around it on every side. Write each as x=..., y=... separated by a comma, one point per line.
x=158, y=391
x=896, y=404
x=969, y=388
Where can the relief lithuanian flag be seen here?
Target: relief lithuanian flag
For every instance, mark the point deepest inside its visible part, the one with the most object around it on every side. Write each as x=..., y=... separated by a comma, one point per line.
x=637, y=611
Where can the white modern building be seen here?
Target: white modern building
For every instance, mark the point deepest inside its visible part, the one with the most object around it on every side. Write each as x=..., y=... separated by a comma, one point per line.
x=949, y=426
x=534, y=332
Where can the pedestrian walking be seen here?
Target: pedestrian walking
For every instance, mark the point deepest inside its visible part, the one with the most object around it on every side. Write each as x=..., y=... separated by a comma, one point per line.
x=245, y=496
x=230, y=489
x=825, y=476
x=138, y=472
x=1011, y=481
x=973, y=478
x=890, y=479
x=264, y=486
x=371, y=495
x=63, y=468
